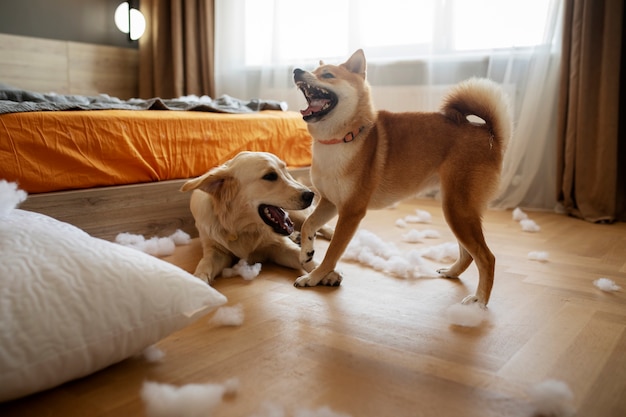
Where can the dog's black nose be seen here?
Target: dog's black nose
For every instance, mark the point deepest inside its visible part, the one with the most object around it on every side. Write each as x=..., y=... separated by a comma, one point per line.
x=297, y=71
x=307, y=197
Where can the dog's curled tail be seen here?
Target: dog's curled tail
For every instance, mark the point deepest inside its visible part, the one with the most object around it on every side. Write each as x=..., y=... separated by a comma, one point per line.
x=483, y=98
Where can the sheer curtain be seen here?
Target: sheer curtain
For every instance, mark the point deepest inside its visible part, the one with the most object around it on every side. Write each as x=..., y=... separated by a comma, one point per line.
x=415, y=51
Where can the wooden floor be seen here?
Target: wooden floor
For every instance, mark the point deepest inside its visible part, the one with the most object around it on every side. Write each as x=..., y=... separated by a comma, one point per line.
x=382, y=346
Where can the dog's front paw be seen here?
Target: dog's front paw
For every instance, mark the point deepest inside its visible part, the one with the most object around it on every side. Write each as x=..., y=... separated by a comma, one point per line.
x=305, y=281
x=203, y=276
x=472, y=299
x=332, y=279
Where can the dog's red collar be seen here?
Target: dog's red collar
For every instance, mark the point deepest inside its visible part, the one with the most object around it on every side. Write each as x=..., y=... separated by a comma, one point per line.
x=346, y=139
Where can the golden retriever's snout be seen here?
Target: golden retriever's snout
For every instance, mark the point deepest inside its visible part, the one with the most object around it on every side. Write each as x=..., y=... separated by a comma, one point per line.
x=307, y=198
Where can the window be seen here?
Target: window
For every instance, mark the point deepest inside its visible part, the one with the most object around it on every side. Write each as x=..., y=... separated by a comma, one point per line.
x=286, y=31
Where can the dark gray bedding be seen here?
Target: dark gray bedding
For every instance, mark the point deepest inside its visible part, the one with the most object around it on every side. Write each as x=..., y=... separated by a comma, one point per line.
x=17, y=101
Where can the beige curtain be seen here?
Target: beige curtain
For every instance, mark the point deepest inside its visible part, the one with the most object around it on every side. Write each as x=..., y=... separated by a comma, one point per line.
x=176, y=52
x=592, y=160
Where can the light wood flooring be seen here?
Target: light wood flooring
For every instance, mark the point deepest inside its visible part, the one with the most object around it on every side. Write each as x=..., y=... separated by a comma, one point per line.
x=379, y=345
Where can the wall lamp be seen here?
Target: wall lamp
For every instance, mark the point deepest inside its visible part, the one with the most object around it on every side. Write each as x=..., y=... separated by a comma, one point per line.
x=129, y=19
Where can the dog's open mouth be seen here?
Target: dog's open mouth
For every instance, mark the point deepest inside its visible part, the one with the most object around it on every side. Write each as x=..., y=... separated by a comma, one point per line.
x=276, y=218
x=320, y=100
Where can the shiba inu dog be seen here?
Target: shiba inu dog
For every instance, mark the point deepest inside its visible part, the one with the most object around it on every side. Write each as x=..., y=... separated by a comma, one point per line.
x=367, y=159
x=247, y=209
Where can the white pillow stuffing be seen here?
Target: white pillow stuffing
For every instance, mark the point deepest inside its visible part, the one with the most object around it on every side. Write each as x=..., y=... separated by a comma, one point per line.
x=191, y=400
x=552, y=398
x=606, y=284
x=71, y=304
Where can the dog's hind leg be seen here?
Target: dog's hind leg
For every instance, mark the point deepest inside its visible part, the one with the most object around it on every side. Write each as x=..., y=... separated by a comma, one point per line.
x=325, y=273
x=464, y=260
x=465, y=223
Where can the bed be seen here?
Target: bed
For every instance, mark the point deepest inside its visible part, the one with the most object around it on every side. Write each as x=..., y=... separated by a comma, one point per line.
x=110, y=165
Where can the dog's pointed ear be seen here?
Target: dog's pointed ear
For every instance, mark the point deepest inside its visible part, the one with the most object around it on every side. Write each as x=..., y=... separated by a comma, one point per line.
x=356, y=63
x=322, y=63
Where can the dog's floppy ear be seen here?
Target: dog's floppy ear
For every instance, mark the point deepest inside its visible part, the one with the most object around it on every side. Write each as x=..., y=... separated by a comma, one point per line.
x=217, y=182
x=356, y=63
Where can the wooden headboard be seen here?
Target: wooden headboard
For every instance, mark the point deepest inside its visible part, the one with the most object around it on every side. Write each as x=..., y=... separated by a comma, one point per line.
x=65, y=67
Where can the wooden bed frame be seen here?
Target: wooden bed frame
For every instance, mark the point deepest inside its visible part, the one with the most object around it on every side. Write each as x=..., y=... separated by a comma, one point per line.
x=149, y=209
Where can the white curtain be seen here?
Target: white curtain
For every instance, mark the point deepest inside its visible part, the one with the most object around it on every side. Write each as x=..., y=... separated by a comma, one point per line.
x=416, y=49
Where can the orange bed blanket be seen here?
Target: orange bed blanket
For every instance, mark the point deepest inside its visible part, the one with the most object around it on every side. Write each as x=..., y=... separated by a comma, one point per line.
x=63, y=150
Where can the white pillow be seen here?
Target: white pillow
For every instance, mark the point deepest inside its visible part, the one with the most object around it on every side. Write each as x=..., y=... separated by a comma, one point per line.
x=71, y=304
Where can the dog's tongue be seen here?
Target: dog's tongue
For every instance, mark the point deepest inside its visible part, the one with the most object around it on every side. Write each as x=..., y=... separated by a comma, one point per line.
x=315, y=106
x=277, y=218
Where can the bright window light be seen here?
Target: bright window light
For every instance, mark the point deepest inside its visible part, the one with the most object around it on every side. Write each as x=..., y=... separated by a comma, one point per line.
x=287, y=31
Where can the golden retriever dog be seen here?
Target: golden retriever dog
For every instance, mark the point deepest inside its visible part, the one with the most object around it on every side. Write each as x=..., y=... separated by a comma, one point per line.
x=246, y=209
x=367, y=159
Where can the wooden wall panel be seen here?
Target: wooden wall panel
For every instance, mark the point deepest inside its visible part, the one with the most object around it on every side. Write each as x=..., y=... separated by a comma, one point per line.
x=34, y=64
x=103, y=69
x=64, y=67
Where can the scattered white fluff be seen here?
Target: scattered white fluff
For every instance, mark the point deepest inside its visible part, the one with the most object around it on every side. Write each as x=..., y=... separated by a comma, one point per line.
x=552, y=398
x=401, y=223
x=155, y=246
x=228, y=316
x=320, y=412
x=466, y=315
x=180, y=237
x=153, y=354
x=10, y=197
x=274, y=410
x=416, y=236
x=421, y=216
x=529, y=225
x=538, y=256
x=368, y=249
x=445, y=252
x=519, y=215
x=243, y=270
x=606, y=284
x=191, y=400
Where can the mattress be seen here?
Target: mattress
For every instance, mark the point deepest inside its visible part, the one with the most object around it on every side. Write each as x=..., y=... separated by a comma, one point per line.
x=46, y=151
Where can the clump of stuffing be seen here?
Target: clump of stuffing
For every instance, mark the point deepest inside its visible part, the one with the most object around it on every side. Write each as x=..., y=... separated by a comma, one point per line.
x=529, y=225
x=370, y=250
x=153, y=354
x=552, y=398
x=519, y=215
x=538, y=256
x=606, y=284
x=10, y=197
x=416, y=236
x=242, y=269
x=180, y=237
x=401, y=224
x=466, y=315
x=525, y=222
x=155, y=246
x=228, y=316
x=421, y=216
x=320, y=412
x=191, y=400
x=269, y=409
x=445, y=252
